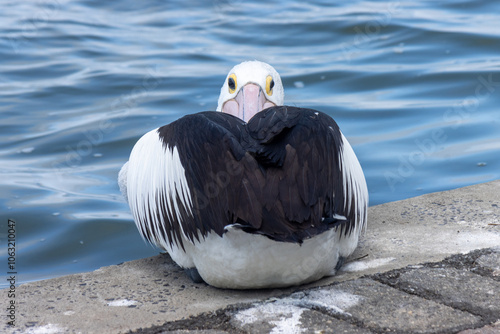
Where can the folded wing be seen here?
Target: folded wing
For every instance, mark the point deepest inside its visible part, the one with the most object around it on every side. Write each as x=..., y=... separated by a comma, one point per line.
x=288, y=174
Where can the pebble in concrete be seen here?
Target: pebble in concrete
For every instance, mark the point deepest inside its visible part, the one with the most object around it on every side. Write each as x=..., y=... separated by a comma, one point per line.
x=491, y=262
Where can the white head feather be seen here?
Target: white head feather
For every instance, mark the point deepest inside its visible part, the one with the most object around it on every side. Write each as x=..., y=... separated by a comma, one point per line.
x=252, y=72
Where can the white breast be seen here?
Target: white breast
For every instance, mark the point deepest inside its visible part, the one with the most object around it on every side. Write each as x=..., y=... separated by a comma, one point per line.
x=241, y=260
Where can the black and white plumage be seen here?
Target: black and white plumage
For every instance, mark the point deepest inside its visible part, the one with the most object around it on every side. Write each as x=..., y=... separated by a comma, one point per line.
x=267, y=198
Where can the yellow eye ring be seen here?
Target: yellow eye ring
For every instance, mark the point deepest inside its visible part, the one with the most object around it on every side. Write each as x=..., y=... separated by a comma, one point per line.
x=232, y=83
x=269, y=85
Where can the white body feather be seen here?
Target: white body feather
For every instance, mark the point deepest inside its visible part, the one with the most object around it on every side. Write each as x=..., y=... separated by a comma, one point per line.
x=155, y=170
x=241, y=260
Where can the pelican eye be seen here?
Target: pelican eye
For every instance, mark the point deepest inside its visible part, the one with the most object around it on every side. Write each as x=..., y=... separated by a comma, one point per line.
x=231, y=82
x=269, y=85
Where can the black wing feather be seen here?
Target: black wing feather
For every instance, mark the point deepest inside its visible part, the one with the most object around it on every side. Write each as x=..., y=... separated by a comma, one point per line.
x=278, y=175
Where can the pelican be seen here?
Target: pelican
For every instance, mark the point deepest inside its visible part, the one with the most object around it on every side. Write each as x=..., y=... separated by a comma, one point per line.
x=254, y=195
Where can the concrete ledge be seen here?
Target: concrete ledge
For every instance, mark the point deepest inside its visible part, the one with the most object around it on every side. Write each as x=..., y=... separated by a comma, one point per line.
x=153, y=295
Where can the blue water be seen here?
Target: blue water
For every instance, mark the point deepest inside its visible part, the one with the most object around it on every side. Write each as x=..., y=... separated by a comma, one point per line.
x=414, y=85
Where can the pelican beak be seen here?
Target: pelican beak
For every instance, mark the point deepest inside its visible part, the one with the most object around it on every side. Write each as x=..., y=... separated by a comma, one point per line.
x=248, y=102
